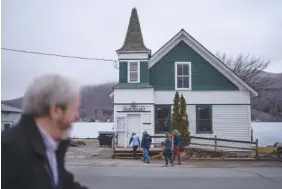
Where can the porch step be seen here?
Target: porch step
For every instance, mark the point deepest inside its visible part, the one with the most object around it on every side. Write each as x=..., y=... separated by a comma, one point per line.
x=121, y=154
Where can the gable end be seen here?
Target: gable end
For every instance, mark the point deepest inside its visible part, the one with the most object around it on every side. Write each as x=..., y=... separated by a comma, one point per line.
x=205, y=54
x=202, y=75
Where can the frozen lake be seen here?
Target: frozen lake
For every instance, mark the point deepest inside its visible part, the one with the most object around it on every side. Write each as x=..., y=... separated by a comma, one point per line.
x=267, y=132
x=90, y=129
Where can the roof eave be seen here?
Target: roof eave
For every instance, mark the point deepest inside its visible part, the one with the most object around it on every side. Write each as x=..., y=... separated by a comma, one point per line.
x=111, y=94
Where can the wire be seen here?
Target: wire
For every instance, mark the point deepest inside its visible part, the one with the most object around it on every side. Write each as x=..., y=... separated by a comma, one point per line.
x=115, y=62
x=59, y=55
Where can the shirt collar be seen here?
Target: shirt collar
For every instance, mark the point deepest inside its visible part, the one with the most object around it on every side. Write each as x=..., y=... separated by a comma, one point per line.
x=49, y=142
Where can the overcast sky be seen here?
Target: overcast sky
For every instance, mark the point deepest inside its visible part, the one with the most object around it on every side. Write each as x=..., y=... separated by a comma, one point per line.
x=95, y=28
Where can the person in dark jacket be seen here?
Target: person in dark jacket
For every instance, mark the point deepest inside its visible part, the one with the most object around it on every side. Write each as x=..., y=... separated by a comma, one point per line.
x=146, y=144
x=33, y=151
x=176, y=145
x=167, y=150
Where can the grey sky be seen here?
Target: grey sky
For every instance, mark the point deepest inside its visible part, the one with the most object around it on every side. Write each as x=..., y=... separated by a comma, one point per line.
x=96, y=28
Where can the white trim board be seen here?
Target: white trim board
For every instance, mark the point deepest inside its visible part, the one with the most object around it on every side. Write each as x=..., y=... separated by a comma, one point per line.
x=202, y=51
x=134, y=56
x=189, y=75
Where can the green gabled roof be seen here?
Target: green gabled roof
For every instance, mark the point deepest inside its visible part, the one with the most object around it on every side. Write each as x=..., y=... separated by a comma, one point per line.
x=132, y=86
x=134, y=39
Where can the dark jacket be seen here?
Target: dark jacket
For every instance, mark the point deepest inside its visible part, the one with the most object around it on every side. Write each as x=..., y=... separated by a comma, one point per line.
x=24, y=161
x=167, y=144
x=146, y=141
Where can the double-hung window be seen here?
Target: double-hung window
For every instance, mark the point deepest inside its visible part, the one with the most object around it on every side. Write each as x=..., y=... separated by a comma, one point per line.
x=162, y=119
x=204, y=119
x=183, y=75
x=133, y=72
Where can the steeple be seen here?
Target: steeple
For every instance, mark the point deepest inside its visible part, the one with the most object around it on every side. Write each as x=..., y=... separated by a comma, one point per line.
x=134, y=39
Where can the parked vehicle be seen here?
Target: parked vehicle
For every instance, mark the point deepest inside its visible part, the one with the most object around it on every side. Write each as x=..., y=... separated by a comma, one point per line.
x=279, y=149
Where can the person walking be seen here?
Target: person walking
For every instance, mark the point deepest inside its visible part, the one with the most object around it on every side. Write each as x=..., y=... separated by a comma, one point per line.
x=33, y=151
x=176, y=146
x=167, y=146
x=146, y=144
x=134, y=139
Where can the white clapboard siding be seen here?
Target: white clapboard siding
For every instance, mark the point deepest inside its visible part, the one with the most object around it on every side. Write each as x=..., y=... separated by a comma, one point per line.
x=147, y=117
x=159, y=140
x=229, y=122
x=137, y=95
x=207, y=97
x=191, y=112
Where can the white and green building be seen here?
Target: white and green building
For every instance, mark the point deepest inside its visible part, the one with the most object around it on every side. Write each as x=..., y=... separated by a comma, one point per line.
x=218, y=101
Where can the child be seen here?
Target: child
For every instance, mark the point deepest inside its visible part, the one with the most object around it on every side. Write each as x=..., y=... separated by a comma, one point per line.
x=167, y=145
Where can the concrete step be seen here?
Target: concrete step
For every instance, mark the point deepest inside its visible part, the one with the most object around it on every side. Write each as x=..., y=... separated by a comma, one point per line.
x=129, y=154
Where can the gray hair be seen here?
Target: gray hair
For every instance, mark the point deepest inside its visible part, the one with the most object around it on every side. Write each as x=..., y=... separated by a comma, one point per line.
x=47, y=90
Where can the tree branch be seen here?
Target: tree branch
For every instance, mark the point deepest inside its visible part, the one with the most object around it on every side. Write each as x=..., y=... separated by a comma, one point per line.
x=248, y=68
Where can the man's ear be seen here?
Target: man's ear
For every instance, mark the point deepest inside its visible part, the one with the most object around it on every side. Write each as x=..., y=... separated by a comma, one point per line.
x=54, y=111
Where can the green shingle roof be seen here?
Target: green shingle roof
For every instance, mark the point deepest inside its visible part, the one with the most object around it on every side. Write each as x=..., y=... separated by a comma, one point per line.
x=134, y=39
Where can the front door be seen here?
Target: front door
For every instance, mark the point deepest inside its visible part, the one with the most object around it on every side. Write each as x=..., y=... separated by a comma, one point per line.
x=133, y=126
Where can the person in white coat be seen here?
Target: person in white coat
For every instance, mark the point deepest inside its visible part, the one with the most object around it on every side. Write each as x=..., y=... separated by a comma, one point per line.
x=135, y=143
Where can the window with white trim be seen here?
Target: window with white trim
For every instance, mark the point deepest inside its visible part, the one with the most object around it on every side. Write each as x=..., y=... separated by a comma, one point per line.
x=204, y=119
x=183, y=75
x=133, y=72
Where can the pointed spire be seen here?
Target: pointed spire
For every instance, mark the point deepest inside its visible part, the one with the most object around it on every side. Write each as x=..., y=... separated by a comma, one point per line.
x=134, y=39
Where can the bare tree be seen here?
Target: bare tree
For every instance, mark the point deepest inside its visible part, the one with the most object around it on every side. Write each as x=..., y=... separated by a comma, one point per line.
x=107, y=114
x=268, y=105
x=248, y=68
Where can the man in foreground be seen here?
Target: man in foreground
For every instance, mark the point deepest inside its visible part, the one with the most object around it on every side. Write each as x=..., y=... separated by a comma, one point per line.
x=33, y=151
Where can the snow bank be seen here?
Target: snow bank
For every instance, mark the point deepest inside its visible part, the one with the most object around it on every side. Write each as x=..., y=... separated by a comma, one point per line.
x=90, y=129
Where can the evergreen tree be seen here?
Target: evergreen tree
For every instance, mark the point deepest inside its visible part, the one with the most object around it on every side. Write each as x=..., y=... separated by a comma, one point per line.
x=176, y=119
x=184, y=125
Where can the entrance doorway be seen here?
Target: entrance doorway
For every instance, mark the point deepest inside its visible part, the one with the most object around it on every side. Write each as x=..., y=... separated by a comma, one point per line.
x=133, y=126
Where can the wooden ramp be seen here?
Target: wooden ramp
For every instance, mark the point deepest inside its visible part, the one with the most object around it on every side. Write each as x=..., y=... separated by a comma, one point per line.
x=127, y=153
